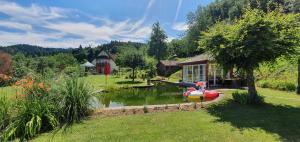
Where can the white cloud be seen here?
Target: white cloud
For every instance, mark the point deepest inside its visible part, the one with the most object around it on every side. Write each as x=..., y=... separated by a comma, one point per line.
x=32, y=14
x=170, y=38
x=15, y=25
x=177, y=10
x=58, y=25
x=181, y=26
x=150, y=3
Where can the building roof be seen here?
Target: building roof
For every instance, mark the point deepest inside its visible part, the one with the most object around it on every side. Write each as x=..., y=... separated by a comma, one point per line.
x=198, y=58
x=110, y=56
x=169, y=62
x=87, y=64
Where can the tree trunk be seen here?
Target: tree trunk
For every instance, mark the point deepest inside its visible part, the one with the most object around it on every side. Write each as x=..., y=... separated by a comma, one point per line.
x=298, y=88
x=133, y=71
x=251, y=86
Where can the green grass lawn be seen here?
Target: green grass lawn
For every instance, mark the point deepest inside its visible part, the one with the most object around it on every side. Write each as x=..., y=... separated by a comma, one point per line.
x=98, y=82
x=278, y=120
x=9, y=91
x=95, y=81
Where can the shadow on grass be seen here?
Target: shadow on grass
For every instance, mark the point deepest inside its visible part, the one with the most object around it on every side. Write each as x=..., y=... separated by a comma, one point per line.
x=129, y=82
x=278, y=119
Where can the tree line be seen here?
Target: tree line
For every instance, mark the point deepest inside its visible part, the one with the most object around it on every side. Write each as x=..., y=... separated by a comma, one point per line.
x=31, y=50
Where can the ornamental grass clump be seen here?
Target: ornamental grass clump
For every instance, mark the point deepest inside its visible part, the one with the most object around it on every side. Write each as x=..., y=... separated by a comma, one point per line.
x=32, y=118
x=34, y=111
x=75, y=101
x=4, y=112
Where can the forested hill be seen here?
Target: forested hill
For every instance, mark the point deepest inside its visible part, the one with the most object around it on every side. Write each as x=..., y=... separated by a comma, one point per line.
x=116, y=46
x=31, y=50
x=113, y=47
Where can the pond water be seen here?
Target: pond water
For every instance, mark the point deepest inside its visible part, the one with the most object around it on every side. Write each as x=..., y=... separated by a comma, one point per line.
x=160, y=93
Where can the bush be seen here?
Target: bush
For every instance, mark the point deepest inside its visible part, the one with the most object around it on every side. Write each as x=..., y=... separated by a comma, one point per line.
x=4, y=115
x=242, y=97
x=75, y=100
x=277, y=84
x=35, y=114
x=74, y=71
x=35, y=111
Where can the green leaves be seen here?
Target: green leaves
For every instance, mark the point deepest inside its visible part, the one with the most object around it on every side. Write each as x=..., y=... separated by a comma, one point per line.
x=75, y=97
x=33, y=116
x=133, y=59
x=256, y=38
x=4, y=112
x=157, y=44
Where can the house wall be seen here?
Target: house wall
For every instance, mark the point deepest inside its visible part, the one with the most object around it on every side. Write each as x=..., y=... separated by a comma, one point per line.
x=211, y=70
x=113, y=65
x=102, y=59
x=163, y=70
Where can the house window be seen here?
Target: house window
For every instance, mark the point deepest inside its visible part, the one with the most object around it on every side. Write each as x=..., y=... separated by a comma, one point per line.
x=202, y=75
x=190, y=77
x=194, y=73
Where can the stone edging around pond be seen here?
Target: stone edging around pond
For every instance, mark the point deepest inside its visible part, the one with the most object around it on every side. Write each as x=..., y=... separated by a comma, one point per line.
x=131, y=110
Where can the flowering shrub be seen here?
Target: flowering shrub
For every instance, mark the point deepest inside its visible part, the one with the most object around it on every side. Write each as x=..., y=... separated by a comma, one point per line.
x=32, y=88
x=41, y=108
x=35, y=111
x=4, y=79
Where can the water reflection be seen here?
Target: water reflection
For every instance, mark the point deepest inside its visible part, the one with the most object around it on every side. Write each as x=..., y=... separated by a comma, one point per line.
x=161, y=93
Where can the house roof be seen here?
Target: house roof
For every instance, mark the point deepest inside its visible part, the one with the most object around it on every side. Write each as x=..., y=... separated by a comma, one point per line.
x=169, y=62
x=198, y=58
x=87, y=64
x=111, y=56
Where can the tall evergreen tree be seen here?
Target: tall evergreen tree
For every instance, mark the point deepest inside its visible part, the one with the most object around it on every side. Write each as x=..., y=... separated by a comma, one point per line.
x=157, y=44
x=90, y=54
x=79, y=54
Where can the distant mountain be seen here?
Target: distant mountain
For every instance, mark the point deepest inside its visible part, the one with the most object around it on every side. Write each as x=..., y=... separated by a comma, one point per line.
x=31, y=50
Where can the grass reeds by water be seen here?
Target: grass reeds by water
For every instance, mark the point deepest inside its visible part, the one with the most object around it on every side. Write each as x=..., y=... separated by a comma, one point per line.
x=75, y=100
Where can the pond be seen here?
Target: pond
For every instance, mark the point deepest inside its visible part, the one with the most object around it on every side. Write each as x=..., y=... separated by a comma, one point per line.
x=160, y=93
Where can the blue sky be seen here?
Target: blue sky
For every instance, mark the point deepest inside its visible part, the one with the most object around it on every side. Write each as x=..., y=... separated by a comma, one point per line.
x=69, y=23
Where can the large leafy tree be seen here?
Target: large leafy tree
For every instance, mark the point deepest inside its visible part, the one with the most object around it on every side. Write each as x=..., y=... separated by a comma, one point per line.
x=132, y=59
x=177, y=48
x=157, y=44
x=229, y=10
x=298, y=89
x=256, y=38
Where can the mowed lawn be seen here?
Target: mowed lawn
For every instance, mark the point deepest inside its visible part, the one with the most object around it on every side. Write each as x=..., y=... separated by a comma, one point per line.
x=96, y=82
x=278, y=120
x=100, y=82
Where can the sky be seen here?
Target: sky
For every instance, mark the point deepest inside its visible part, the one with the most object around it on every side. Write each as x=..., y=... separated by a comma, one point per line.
x=70, y=23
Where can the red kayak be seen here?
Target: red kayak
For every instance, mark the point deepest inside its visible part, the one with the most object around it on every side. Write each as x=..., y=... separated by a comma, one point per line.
x=210, y=95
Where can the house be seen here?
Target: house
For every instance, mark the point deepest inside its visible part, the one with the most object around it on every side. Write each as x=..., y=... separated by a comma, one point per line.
x=101, y=59
x=203, y=68
x=167, y=67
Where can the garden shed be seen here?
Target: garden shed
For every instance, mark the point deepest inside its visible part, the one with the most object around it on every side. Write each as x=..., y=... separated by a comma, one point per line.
x=167, y=67
x=203, y=68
